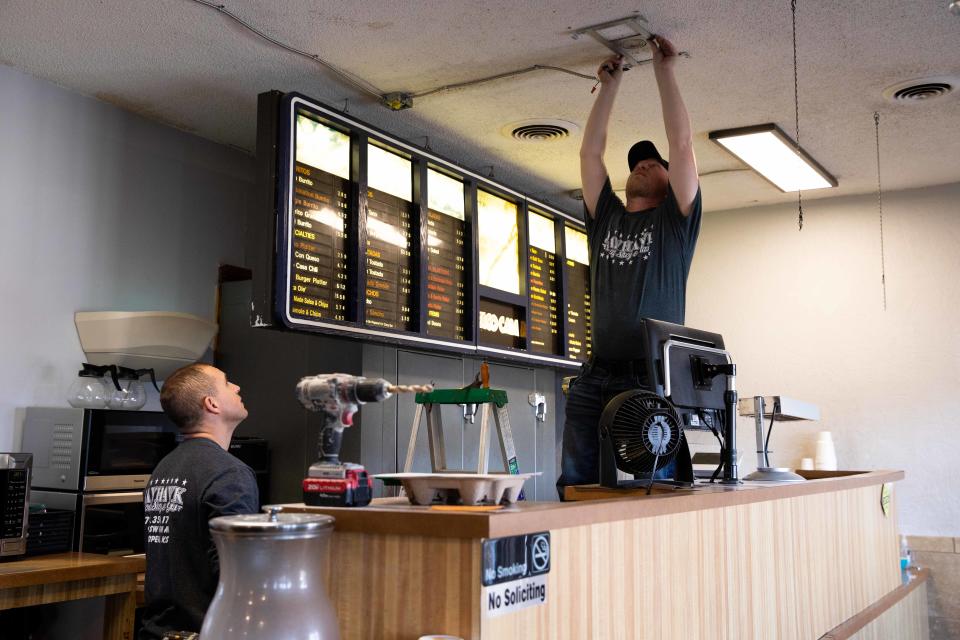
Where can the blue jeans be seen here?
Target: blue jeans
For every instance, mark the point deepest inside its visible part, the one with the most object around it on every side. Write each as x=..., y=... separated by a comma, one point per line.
x=588, y=394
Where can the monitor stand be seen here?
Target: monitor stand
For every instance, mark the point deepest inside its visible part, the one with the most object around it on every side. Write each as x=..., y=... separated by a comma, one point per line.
x=774, y=474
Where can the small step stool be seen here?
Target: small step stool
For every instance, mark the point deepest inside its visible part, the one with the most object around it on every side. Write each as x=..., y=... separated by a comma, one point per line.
x=471, y=395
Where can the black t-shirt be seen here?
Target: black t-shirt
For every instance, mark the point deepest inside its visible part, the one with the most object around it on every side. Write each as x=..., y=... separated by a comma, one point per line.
x=639, y=264
x=197, y=481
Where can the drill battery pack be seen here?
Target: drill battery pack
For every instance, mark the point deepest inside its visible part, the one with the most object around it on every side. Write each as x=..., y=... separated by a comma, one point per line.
x=349, y=486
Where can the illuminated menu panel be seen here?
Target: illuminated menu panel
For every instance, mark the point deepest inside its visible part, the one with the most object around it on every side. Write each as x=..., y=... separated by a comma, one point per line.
x=499, y=260
x=318, y=258
x=383, y=256
x=501, y=324
x=445, y=257
x=543, y=324
x=388, y=257
x=577, y=268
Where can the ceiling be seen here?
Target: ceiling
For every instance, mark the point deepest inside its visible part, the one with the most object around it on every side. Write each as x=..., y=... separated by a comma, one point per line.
x=187, y=65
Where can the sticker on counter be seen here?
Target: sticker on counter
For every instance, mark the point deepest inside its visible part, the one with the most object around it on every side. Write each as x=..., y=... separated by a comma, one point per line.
x=516, y=557
x=514, y=574
x=886, y=495
x=508, y=597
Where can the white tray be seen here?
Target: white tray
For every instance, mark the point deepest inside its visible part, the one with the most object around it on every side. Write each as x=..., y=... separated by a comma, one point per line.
x=473, y=488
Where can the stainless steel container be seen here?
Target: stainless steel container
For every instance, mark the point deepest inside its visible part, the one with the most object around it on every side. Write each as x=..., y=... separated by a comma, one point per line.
x=271, y=578
x=14, y=502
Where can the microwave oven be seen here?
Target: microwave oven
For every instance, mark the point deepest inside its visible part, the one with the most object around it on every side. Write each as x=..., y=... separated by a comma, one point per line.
x=96, y=463
x=93, y=450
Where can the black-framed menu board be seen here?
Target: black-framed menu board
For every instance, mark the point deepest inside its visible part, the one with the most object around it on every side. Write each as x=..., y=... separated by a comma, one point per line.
x=544, y=327
x=577, y=272
x=389, y=296
x=498, y=228
x=376, y=239
x=317, y=271
x=446, y=254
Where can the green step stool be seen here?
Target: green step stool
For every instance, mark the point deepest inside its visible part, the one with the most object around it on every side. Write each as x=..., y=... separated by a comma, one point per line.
x=471, y=395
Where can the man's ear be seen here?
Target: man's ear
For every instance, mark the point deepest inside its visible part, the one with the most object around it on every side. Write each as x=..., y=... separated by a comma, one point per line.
x=211, y=405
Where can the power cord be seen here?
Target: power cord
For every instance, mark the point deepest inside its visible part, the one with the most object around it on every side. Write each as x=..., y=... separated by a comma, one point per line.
x=499, y=76
x=397, y=100
x=713, y=429
x=358, y=83
x=766, y=444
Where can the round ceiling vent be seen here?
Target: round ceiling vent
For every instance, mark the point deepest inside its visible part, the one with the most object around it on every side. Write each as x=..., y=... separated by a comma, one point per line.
x=540, y=130
x=920, y=90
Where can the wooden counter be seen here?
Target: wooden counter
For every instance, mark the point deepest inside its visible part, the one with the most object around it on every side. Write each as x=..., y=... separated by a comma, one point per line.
x=73, y=576
x=901, y=614
x=398, y=516
x=757, y=561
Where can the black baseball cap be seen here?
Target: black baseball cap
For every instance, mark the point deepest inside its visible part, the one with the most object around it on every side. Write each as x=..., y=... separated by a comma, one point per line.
x=644, y=150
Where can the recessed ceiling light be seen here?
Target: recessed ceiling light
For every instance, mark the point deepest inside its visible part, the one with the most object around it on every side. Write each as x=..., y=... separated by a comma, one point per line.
x=774, y=156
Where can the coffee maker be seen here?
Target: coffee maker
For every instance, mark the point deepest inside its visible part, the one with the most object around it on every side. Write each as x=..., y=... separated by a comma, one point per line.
x=14, y=503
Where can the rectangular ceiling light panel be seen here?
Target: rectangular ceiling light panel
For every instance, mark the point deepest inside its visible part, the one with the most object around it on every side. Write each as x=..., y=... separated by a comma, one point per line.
x=774, y=156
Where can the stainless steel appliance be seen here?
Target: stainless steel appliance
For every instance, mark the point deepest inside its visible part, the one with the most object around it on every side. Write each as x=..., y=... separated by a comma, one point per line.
x=96, y=462
x=14, y=502
x=95, y=449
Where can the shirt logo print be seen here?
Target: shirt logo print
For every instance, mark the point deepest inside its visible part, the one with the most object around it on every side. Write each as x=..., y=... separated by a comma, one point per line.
x=163, y=497
x=626, y=249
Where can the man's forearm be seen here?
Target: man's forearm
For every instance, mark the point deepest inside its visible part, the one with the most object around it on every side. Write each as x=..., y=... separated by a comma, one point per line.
x=595, y=132
x=676, y=121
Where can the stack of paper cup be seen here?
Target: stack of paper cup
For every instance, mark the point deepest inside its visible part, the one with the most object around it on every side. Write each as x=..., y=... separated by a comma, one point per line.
x=826, y=454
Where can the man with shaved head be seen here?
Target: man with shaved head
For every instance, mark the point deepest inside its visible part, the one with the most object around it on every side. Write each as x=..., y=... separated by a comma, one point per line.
x=640, y=254
x=197, y=481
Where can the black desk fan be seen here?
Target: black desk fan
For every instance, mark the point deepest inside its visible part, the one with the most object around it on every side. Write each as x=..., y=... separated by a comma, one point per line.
x=692, y=386
x=641, y=433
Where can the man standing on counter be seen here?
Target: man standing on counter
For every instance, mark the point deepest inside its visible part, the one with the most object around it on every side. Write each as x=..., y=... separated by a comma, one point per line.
x=197, y=481
x=640, y=255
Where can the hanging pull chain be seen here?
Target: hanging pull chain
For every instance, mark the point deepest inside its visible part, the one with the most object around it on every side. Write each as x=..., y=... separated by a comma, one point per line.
x=883, y=266
x=796, y=103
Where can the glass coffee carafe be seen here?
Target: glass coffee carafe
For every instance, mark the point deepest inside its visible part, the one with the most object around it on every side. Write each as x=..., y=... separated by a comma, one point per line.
x=271, y=578
x=89, y=390
x=130, y=393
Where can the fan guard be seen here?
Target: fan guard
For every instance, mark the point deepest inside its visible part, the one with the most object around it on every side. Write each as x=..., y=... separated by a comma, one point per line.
x=644, y=429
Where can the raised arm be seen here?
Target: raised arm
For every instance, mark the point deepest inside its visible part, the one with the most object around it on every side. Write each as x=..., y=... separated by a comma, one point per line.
x=683, y=164
x=593, y=173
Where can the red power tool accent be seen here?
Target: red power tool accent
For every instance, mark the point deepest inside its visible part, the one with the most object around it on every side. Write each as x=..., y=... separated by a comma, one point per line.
x=354, y=489
x=337, y=396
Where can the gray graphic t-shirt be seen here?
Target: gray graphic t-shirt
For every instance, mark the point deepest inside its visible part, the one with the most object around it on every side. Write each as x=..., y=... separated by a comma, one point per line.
x=639, y=263
x=195, y=482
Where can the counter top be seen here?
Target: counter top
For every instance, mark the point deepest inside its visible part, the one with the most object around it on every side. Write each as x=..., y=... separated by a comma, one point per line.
x=65, y=567
x=398, y=516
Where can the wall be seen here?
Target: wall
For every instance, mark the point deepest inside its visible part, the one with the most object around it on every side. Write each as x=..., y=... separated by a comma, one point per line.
x=100, y=209
x=942, y=556
x=802, y=313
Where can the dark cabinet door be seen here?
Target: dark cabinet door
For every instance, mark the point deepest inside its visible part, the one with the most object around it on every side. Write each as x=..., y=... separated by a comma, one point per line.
x=444, y=373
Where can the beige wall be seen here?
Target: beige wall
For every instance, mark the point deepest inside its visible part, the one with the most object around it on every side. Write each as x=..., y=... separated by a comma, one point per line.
x=802, y=313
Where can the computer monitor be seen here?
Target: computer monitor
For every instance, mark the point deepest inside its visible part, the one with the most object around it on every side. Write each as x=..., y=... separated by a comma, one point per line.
x=678, y=360
x=692, y=370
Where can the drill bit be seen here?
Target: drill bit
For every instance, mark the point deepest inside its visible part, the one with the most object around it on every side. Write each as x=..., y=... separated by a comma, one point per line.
x=410, y=388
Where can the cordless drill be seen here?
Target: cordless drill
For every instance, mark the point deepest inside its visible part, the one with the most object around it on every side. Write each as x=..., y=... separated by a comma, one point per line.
x=337, y=396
